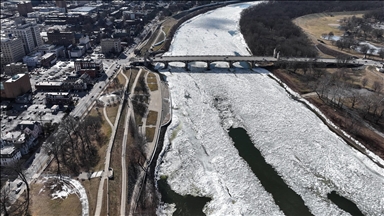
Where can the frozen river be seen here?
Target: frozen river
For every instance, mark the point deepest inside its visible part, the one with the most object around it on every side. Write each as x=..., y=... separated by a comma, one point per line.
x=201, y=159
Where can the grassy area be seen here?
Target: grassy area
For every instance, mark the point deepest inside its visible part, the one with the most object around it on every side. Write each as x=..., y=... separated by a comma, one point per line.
x=107, y=131
x=167, y=25
x=115, y=184
x=323, y=23
x=152, y=118
x=42, y=203
x=314, y=25
x=121, y=78
x=91, y=187
x=112, y=112
x=105, y=196
x=152, y=82
x=149, y=43
x=134, y=72
x=150, y=133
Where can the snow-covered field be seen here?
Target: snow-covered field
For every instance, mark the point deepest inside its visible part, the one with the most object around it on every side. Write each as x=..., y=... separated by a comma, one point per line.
x=201, y=159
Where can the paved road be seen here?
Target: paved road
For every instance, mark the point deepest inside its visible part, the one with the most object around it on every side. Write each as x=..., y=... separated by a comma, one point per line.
x=85, y=102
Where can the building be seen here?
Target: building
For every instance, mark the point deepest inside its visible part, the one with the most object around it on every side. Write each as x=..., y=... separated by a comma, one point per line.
x=19, y=84
x=24, y=8
x=15, y=68
x=29, y=34
x=76, y=51
x=12, y=49
x=58, y=98
x=111, y=45
x=32, y=60
x=30, y=128
x=84, y=41
x=48, y=48
x=91, y=67
x=60, y=38
x=62, y=4
x=9, y=155
x=48, y=59
x=49, y=86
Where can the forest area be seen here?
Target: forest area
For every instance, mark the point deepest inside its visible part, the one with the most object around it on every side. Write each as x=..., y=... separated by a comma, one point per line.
x=269, y=25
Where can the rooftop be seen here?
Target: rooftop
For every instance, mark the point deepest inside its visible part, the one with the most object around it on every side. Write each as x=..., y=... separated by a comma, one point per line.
x=7, y=150
x=15, y=78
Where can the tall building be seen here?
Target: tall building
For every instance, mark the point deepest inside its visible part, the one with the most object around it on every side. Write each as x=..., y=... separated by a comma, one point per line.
x=111, y=45
x=29, y=34
x=12, y=49
x=24, y=8
x=61, y=4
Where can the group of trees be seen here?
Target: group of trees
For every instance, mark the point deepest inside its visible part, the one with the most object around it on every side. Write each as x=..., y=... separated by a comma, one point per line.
x=268, y=25
x=337, y=90
x=141, y=98
x=21, y=207
x=75, y=143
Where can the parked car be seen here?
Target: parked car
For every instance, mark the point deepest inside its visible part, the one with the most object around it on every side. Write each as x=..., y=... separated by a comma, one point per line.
x=19, y=184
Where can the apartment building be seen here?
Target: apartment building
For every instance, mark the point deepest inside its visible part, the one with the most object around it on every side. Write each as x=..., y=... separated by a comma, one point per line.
x=12, y=49
x=29, y=34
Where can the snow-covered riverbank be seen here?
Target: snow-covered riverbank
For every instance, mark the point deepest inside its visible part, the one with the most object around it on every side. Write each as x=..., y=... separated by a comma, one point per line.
x=202, y=160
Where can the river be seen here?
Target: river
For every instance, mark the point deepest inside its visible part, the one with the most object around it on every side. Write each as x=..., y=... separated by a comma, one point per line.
x=201, y=158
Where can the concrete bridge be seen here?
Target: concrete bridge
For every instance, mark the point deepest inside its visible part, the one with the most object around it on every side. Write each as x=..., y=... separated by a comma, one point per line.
x=252, y=60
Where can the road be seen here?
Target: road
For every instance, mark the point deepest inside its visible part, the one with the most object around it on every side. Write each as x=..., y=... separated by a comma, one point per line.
x=85, y=102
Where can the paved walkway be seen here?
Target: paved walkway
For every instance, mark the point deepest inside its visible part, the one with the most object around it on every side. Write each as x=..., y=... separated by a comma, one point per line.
x=108, y=159
x=155, y=104
x=124, y=146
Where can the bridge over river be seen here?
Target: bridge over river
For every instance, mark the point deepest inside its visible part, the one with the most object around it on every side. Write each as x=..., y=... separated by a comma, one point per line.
x=252, y=60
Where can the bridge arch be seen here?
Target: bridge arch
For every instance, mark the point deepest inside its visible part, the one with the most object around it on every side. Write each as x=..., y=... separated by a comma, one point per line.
x=219, y=64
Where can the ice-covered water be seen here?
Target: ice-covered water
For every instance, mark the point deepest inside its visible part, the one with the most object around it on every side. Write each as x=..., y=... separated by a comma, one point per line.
x=202, y=160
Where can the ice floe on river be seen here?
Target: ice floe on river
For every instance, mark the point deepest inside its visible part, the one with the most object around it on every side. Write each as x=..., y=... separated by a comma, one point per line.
x=201, y=159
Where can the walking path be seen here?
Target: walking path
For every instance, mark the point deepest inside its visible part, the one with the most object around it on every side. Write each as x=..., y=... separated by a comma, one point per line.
x=124, y=146
x=108, y=159
x=155, y=104
x=106, y=116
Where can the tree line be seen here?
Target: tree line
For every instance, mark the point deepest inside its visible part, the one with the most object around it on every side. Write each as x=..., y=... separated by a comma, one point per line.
x=268, y=25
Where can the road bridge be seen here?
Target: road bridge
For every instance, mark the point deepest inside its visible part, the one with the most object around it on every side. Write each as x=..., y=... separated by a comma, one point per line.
x=252, y=60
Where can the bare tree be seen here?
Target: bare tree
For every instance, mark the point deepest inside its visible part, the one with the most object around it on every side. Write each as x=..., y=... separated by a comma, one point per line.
x=377, y=86
x=364, y=49
x=353, y=97
x=381, y=53
x=364, y=82
x=370, y=52
x=4, y=199
x=19, y=169
x=54, y=147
